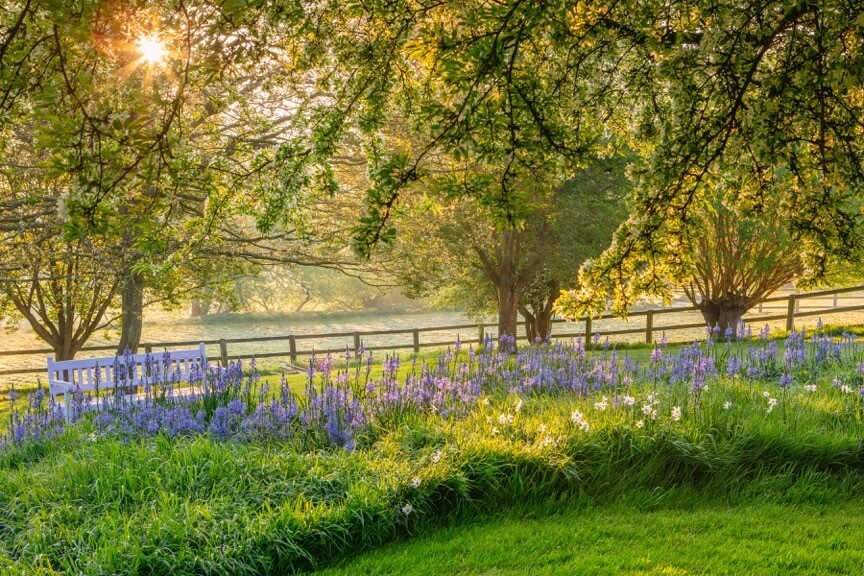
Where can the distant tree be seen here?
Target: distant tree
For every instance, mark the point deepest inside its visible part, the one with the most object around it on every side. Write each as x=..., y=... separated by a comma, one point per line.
x=292, y=289
x=455, y=252
x=737, y=262
x=732, y=261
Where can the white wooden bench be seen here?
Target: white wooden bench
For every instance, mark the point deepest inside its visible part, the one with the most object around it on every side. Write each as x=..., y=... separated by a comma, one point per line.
x=86, y=375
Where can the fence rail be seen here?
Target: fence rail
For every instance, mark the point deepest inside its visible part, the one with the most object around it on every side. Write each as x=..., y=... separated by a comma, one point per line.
x=356, y=338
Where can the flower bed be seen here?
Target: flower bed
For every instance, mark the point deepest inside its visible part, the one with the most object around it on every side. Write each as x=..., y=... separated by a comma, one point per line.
x=346, y=407
x=247, y=480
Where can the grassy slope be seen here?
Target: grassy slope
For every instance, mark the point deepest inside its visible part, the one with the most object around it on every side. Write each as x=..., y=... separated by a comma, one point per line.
x=755, y=539
x=198, y=506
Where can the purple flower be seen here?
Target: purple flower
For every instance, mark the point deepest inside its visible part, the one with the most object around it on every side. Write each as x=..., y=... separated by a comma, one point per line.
x=733, y=366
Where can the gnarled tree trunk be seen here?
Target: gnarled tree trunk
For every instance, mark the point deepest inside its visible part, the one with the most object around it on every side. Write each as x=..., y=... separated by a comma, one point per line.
x=132, y=319
x=200, y=308
x=724, y=313
x=538, y=315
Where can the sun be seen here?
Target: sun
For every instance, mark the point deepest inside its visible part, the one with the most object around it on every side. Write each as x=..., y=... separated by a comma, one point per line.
x=152, y=49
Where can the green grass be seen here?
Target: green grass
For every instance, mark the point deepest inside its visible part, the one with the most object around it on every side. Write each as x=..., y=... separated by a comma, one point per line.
x=667, y=497
x=197, y=506
x=758, y=538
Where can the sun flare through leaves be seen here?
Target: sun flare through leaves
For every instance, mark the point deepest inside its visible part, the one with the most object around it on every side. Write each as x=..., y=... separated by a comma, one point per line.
x=151, y=49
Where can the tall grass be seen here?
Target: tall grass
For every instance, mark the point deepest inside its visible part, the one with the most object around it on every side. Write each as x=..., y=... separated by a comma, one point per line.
x=194, y=505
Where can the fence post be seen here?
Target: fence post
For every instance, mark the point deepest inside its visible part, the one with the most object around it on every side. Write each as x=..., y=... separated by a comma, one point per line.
x=790, y=314
x=148, y=349
x=356, y=341
x=223, y=352
x=292, y=349
x=649, y=326
x=587, y=330
x=416, y=335
x=481, y=333
x=834, y=305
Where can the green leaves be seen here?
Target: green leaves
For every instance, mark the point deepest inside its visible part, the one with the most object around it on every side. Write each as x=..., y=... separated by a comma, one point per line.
x=388, y=177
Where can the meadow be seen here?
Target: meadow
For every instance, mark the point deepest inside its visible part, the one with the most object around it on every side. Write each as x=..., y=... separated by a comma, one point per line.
x=161, y=326
x=556, y=459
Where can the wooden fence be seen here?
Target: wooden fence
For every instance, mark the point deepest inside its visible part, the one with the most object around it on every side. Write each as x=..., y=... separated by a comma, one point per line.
x=292, y=349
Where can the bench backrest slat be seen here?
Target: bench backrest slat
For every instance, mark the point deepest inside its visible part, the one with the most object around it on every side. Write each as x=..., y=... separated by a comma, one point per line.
x=66, y=374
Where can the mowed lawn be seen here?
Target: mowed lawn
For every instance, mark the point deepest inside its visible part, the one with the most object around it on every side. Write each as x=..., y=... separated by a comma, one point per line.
x=752, y=539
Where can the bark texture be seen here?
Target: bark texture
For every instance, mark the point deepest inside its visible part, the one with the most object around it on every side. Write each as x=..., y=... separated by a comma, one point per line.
x=132, y=313
x=538, y=314
x=723, y=314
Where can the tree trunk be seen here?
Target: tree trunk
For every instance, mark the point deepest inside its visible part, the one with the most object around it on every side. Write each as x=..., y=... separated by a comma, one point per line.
x=307, y=297
x=64, y=343
x=538, y=322
x=723, y=314
x=64, y=350
x=132, y=319
x=544, y=323
x=530, y=324
x=507, y=288
x=508, y=317
x=544, y=311
x=538, y=314
x=200, y=308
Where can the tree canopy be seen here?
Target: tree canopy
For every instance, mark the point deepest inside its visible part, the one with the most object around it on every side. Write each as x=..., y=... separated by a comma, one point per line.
x=253, y=107
x=766, y=88
x=456, y=251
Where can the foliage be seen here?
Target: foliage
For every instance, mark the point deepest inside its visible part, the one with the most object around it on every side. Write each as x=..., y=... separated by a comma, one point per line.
x=159, y=161
x=733, y=261
x=764, y=94
x=457, y=253
x=764, y=91
x=699, y=90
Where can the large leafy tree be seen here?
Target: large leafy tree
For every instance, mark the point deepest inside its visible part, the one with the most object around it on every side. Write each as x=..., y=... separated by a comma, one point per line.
x=767, y=92
x=96, y=126
x=140, y=128
x=456, y=252
x=771, y=88
x=737, y=261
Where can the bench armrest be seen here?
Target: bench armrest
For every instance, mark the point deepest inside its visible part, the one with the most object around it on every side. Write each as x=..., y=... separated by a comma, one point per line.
x=60, y=387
